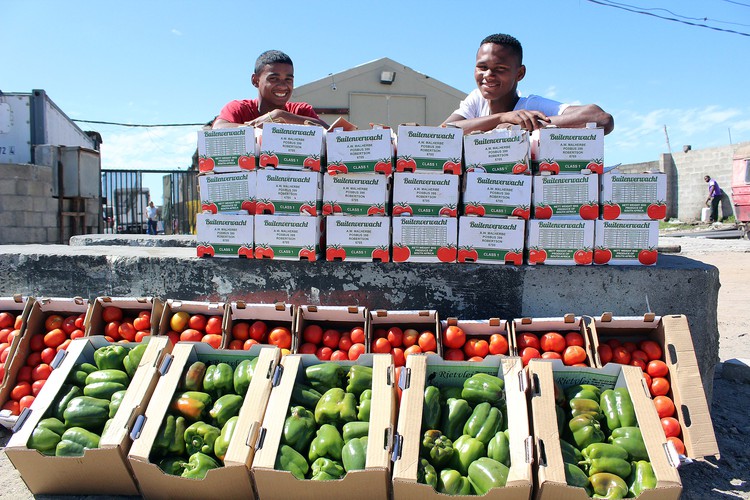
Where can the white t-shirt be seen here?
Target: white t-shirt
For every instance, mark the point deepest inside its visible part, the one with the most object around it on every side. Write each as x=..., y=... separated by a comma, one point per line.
x=151, y=212
x=475, y=105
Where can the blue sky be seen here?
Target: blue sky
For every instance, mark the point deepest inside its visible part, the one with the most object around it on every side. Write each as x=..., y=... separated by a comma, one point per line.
x=180, y=62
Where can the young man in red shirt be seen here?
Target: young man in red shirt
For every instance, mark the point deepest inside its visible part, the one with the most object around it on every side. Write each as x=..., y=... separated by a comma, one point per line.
x=274, y=78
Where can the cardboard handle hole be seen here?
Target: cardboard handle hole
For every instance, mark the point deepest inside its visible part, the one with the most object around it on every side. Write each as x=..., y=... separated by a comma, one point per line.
x=685, y=411
x=672, y=354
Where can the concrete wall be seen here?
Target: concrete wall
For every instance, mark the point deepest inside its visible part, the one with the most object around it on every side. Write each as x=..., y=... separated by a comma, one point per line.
x=28, y=211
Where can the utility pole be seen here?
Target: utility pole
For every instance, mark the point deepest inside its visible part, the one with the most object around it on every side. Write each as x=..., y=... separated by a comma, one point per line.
x=729, y=129
x=669, y=147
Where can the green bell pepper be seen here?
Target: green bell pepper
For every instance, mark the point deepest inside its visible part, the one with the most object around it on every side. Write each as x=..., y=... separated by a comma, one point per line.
x=75, y=441
x=365, y=403
x=133, y=359
x=221, y=445
x=115, y=402
x=164, y=437
x=431, y=408
x=641, y=478
x=325, y=469
x=219, y=380
x=466, y=450
x=354, y=454
x=304, y=395
x=618, y=408
x=192, y=405
x=437, y=448
x=226, y=407
x=46, y=435
x=485, y=474
x=609, y=486
x=616, y=466
x=635, y=447
x=243, y=375
x=570, y=453
x=585, y=430
x=192, y=379
x=453, y=417
x=451, y=482
x=449, y=392
x=78, y=374
x=603, y=450
x=583, y=406
x=198, y=466
x=290, y=460
x=426, y=473
x=299, y=428
x=359, y=379
x=110, y=357
x=326, y=443
x=484, y=422
x=626, y=432
x=336, y=407
x=574, y=476
x=355, y=430
x=200, y=437
x=584, y=391
x=174, y=466
x=106, y=426
x=325, y=376
x=483, y=387
x=63, y=397
x=87, y=412
x=103, y=384
x=499, y=448
x=562, y=419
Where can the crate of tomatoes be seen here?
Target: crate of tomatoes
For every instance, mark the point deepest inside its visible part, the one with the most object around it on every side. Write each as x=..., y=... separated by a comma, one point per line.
x=122, y=319
x=473, y=340
x=268, y=324
x=403, y=333
x=13, y=313
x=565, y=338
x=662, y=347
x=192, y=321
x=335, y=333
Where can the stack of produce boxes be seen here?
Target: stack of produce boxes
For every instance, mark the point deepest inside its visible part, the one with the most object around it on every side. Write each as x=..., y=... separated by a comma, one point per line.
x=497, y=187
x=288, y=221
x=426, y=194
x=565, y=195
x=227, y=188
x=628, y=229
x=356, y=193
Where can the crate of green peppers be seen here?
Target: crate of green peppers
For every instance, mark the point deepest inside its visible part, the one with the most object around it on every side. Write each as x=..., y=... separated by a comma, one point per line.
x=328, y=430
x=197, y=433
x=598, y=434
x=463, y=430
x=79, y=424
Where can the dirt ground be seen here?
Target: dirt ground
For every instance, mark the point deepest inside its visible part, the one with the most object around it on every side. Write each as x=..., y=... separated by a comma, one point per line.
x=728, y=477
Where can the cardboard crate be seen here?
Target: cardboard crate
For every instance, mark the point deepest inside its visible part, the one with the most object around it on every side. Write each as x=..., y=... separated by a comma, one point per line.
x=289, y=193
x=424, y=239
x=499, y=151
x=672, y=333
x=634, y=196
x=274, y=315
x=626, y=242
x=101, y=471
x=413, y=380
x=574, y=196
x=560, y=242
x=568, y=150
x=356, y=194
x=291, y=147
x=191, y=307
x=95, y=324
x=496, y=195
x=373, y=482
x=421, y=321
x=551, y=482
x=16, y=305
x=358, y=238
x=491, y=240
x=232, y=193
x=224, y=235
x=540, y=326
x=288, y=237
x=226, y=150
x=359, y=151
x=336, y=317
x=477, y=329
x=233, y=478
x=426, y=195
x=429, y=149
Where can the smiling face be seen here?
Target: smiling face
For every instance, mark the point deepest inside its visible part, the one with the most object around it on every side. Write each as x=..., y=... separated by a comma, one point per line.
x=275, y=84
x=497, y=72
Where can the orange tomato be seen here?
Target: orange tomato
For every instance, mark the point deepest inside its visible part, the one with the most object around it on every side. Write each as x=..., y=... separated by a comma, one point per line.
x=498, y=344
x=324, y=353
x=249, y=343
x=657, y=368
x=339, y=355
x=20, y=390
x=427, y=341
x=381, y=346
x=331, y=338
x=529, y=353
x=659, y=386
x=312, y=334
x=197, y=322
x=258, y=331
x=356, y=350
x=25, y=402
x=112, y=330
x=552, y=341
x=64, y=345
x=4, y=334
x=6, y=319
x=307, y=348
x=190, y=335
x=551, y=355
x=525, y=340
x=54, y=337
x=395, y=336
x=652, y=349
x=279, y=336
x=140, y=335
x=111, y=313
x=358, y=335
x=53, y=321
x=212, y=339
x=664, y=406
x=411, y=337
x=574, y=338
x=671, y=426
x=76, y=334
x=213, y=325
x=678, y=444
x=399, y=358
x=476, y=348
x=241, y=331
x=127, y=331
x=142, y=323
x=415, y=349
x=454, y=354
x=605, y=353
x=453, y=337
x=621, y=355
x=574, y=354
x=475, y=358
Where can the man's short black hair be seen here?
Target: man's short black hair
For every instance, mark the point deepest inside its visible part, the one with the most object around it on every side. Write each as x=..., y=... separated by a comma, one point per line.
x=507, y=40
x=271, y=57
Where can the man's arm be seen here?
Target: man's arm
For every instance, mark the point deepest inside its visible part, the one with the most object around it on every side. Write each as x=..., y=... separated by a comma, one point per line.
x=579, y=116
x=527, y=119
x=277, y=115
x=222, y=123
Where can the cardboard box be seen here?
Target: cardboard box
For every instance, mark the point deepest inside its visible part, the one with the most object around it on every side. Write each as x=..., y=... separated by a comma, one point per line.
x=101, y=471
x=429, y=149
x=359, y=151
x=356, y=194
x=560, y=242
x=499, y=151
x=292, y=147
x=626, y=242
x=273, y=315
x=477, y=329
x=231, y=480
x=232, y=193
x=540, y=326
x=442, y=373
x=427, y=195
x=421, y=321
x=288, y=237
x=673, y=334
x=226, y=150
x=373, y=482
x=634, y=196
x=131, y=307
x=574, y=196
x=550, y=472
x=358, y=239
x=341, y=318
x=17, y=305
x=224, y=235
x=424, y=239
x=289, y=193
x=191, y=307
x=491, y=240
x=496, y=195
x=568, y=150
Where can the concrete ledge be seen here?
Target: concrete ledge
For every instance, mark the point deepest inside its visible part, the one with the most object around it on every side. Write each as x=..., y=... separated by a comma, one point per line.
x=677, y=285
x=133, y=240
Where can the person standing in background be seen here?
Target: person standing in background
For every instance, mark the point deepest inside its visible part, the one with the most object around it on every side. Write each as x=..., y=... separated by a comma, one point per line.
x=151, y=214
x=715, y=194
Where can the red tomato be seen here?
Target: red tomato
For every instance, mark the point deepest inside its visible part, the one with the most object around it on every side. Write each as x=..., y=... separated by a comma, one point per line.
x=659, y=386
x=235, y=345
x=20, y=390
x=12, y=406
x=111, y=313
x=248, y=344
x=24, y=374
x=53, y=321
x=411, y=337
x=614, y=343
x=34, y=358
x=258, y=331
x=638, y=354
x=280, y=337
x=671, y=426
x=345, y=342
x=197, y=322
x=574, y=338
x=312, y=334
x=657, y=368
x=127, y=331
x=331, y=338
x=552, y=341
x=212, y=339
x=4, y=334
x=324, y=353
x=551, y=355
x=498, y=344
x=191, y=335
x=427, y=342
x=48, y=354
x=574, y=354
x=358, y=335
x=36, y=342
x=528, y=340
x=213, y=325
x=307, y=348
x=399, y=359
x=37, y=386
x=339, y=355
x=79, y=321
x=648, y=380
x=639, y=363
x=630, y=346
x=174, y=337
x=140, y=335
x=380, y=333
x=454, y=355
x=621, y=355
x=678, y=444
x=41, y=372
x=142, y=323
x=76, y=334
x=54, y=337
x=356, y=350
x=476, y=347
x=652, y=349
x=529, y=353
x=605, y=353
x=6, y=319
x=25, y=402
x=453, y=338
x=415, y=349
x=664, y=406
x=241, y=331
x=112, y=330
x=381, y=346
x=69, y=324
x=395, y=336
x=475, y=358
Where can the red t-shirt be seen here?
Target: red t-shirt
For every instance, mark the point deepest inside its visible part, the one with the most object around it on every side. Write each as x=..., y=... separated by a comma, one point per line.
x=247, y=110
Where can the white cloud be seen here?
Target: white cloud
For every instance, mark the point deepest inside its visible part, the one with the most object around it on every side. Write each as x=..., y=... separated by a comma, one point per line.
x=176, y=32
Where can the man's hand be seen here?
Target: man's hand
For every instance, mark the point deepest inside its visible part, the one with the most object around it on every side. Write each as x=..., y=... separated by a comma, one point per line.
x=527, y=119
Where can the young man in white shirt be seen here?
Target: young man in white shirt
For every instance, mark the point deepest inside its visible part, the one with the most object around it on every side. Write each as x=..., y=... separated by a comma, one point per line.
x=496, y=103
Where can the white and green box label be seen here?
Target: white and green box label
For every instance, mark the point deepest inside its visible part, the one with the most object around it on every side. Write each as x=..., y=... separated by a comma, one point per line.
x=287, y=237
x=502, y=151
x=497, y=195
x=289, y=192
x=359, y=151
x=573, y=196
x=294, y=147
x=226, y=150
x=560, y=242
x=436, y=149
x=570, y=150
x=355, y=194
x=491, y=240
x=358, y=238
x=634, y=196
x=626, y=242
x=228, y=193
x=424, y=239
x=224, y=235
x=425, y=194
